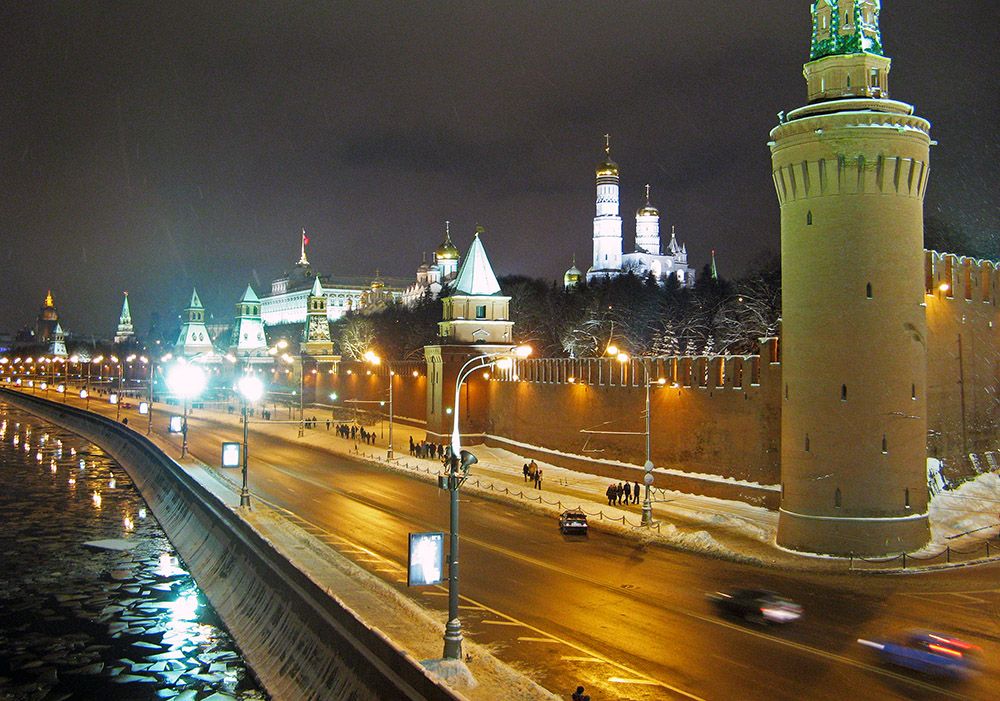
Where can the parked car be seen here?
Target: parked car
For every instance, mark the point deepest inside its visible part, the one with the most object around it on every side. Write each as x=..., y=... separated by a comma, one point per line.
x=936, y=654
x=757, y=605
x=573, y=521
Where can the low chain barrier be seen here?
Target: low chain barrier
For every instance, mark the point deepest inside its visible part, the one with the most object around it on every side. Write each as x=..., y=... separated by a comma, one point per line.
x=947, y=556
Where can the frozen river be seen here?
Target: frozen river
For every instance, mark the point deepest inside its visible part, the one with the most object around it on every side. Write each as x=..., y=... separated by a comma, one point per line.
x=81, y=618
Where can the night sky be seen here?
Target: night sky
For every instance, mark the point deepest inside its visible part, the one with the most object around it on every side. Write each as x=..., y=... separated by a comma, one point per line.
x=153, y=146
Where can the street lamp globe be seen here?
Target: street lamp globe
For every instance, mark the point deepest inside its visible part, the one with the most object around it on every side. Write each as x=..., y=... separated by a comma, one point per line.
x=251, y=388
x=186, y=380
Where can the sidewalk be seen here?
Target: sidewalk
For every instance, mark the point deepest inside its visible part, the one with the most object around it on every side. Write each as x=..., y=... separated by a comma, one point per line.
x=721, y=528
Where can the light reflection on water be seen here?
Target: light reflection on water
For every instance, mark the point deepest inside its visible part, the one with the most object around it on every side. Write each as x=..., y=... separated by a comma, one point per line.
x=134, y=615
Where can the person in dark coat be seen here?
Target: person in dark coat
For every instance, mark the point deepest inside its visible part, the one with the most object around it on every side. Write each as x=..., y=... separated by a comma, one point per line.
x=611, y=492
x=525, y=470
x=635, y=492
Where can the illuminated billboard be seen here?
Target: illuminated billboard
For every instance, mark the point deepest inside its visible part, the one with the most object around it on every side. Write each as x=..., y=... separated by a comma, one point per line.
x=425, y=564
x=230, y=454
x=176, y=424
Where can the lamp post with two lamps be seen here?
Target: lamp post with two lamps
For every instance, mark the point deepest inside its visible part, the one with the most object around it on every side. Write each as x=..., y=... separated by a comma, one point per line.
x=459, y=464
x=185, y=380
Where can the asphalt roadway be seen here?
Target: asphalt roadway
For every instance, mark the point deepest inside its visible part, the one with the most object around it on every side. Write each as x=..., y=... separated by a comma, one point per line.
x=626, y=620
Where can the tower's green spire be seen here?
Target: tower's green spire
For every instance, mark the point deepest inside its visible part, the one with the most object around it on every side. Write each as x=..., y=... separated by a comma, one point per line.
x=845, y=27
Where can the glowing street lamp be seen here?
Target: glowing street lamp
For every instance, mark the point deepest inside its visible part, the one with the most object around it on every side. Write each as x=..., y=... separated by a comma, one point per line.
x=371, y=357
x=647, y=479
x=251, y=389
x=186, y=381
x=462, y=462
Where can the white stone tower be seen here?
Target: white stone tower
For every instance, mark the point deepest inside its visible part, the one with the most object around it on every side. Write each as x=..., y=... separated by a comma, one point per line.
x=125, y=330
x=850, y=169
x=647, y=228
x=476, y=311
x=248, y=339
x=194, y=339
x=316, y=334
x=607, y=222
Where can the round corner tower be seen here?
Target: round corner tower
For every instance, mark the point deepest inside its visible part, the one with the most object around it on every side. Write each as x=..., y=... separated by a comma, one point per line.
x=850, y=169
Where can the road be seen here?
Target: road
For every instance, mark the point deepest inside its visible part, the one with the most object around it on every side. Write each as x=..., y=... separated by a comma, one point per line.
x=624, y=619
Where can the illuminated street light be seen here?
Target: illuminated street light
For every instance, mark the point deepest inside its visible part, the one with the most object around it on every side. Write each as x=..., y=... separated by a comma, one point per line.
x=647, y=479
x=251, y=389
x=371, y=357
x=186, y=381
x=460, y=461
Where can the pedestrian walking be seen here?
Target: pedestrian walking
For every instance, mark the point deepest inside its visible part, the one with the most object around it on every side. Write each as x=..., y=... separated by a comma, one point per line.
x=635, y=492
x=610, y=493
x=525, y=472
x=538, y=478
x=621, y=493
x=578, y=695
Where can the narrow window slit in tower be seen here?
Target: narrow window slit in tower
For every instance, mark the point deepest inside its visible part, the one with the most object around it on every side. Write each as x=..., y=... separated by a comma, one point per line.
x=913, y=391
x=809, y=218
x=786, y=390
x=836, y=498
x=843, y=393
x=885, y=445
x=807, y=442
x=868, y=290
x=906, y=498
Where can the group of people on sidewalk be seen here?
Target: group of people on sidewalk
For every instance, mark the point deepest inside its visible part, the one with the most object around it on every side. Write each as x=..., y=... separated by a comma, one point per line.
x=355, y=433
x=622, y=492
x=533, y=473
x=426, y=449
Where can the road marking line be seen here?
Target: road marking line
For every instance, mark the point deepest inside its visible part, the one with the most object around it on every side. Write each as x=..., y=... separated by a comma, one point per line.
x=434, y=593
x=501, y=623
x=970, y=598
x=572, y=658
x=527, y=639
x=622, y=680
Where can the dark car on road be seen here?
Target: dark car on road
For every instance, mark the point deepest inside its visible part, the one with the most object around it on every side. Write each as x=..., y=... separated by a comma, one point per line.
x=756, y=605
x=935, y=654
x=573, y=521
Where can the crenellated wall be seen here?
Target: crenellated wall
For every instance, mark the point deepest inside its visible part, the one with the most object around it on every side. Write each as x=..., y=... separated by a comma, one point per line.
x=963, y=355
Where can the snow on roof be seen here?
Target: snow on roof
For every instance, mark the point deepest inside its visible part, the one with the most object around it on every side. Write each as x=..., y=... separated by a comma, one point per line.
x=476, y=277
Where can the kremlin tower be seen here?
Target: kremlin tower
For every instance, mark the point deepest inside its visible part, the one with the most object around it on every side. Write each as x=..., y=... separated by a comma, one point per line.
x=850, y=169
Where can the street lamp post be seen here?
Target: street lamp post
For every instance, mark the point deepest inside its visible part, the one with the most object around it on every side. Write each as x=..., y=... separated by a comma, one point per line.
x=647, y=479
x=251, y=389
x=186, y=381
x=372, y=358
x=453, y=629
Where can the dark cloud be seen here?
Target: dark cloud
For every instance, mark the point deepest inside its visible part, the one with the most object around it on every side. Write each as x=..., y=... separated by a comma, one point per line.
x=154, y=146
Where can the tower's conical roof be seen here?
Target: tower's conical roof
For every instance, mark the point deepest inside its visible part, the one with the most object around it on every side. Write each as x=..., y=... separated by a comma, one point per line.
x=317, y=288
x=249, y=295
x=476, y=276
x=195, y=302
x=126, y=316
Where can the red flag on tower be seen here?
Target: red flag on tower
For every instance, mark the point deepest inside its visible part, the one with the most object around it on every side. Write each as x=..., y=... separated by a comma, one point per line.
x=305, y=239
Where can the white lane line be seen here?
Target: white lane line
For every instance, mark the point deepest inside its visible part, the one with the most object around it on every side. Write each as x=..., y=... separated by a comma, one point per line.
x=434, y=593
x=573, y=658
x=501, y=623
x=527, y=639
x=622, y=680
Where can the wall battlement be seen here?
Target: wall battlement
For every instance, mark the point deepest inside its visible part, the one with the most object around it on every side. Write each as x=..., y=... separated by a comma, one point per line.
x=954, y=277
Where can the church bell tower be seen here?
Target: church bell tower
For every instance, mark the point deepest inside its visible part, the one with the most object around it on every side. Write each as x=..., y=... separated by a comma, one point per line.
x=850, y=170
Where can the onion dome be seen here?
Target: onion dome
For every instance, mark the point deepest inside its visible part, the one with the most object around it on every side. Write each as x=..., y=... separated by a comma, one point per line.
x=647, y=210
x=377, y=283
x=447, y=250
x=573, y=276
x=607, y=167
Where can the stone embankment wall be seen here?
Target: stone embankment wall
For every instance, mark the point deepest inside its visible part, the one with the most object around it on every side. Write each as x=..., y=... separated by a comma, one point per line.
x=303, y=644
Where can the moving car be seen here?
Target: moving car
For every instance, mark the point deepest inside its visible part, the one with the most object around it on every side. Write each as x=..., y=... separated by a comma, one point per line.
x=573, y=521
x=757, y=605
x=929, y=653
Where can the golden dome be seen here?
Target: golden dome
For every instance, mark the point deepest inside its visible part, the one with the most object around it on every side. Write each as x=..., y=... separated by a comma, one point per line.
x=447, y=250
x=607, y=167
x=647, y=210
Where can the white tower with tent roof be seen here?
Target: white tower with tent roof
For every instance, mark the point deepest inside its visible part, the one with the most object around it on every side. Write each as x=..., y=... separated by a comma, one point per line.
x=58, y=345
x=125, y=329
x=476, y=311
x=194, y=339
x=248, y=339
x=316, y=339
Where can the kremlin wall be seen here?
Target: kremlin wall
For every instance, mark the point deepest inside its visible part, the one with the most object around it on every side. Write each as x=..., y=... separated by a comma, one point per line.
x=716, y=417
